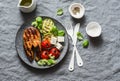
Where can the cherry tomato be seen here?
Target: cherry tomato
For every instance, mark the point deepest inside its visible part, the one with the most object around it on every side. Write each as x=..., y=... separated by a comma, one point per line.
x=45, y=44
x=44, y=55
x=54, y=52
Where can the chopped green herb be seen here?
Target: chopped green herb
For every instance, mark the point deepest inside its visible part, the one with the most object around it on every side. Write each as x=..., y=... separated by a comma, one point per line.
x=60, y=12
x=79, y=36
x=85, y=43
x=61, y=33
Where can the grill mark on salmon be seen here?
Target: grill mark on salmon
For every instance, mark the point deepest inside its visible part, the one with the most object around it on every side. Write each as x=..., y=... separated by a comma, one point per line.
x=32, y=40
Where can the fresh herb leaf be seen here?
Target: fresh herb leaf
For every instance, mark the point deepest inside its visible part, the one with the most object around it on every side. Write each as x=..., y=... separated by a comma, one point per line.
x=85, y=43
x=79, y=36
x=54, y=31
x=60, y=12
x=39, y=19
x=61, y=33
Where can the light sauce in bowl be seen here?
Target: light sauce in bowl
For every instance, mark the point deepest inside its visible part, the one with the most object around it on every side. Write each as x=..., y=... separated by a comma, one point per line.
x=26, y=2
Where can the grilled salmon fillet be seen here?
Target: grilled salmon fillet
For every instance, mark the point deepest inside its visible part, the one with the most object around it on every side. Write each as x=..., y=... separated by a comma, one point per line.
x=32, y=43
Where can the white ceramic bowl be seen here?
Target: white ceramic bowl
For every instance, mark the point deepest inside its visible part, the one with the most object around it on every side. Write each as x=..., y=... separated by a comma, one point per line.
x=93, y=29
x=27, y=9
x=81, y=13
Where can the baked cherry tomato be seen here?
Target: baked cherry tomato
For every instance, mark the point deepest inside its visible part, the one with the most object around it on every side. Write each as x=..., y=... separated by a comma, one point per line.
x=45, y=44
x=44, y=55
x=54, y=52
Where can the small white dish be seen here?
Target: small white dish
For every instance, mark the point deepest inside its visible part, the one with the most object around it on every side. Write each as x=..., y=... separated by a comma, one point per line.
x=76, y=10
x=93, y=29
x=27, y=8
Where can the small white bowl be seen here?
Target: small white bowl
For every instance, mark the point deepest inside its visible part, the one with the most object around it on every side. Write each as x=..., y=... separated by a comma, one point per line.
x=81, y=12
x=93, y=29
x=27, y=9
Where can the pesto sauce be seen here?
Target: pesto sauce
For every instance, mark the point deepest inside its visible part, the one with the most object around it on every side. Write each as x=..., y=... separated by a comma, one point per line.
x=26, y=2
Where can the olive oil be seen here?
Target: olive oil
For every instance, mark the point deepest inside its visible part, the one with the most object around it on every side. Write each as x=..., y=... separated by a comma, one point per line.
x=26, y=2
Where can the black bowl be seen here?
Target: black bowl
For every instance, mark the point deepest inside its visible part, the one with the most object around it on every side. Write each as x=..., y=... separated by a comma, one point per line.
x=20, y=48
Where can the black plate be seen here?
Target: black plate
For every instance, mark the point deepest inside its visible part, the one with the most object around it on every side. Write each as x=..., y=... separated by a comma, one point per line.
x=20, y=48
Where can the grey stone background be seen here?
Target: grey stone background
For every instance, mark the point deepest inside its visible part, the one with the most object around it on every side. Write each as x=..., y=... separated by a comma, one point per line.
x=101, y=58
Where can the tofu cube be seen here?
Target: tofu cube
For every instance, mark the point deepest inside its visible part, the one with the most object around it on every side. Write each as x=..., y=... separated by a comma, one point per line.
x=53, y=40
x=60, y=39
x=58, y=46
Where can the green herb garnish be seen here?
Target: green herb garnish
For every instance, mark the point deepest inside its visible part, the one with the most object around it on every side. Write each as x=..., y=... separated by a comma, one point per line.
x=85, y=43
x=79, y=36
x=61, y=33
x=60, y=12
x=54, y=31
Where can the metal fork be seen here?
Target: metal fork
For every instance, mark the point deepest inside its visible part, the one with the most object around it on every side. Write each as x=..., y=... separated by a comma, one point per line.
x=69, y=30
